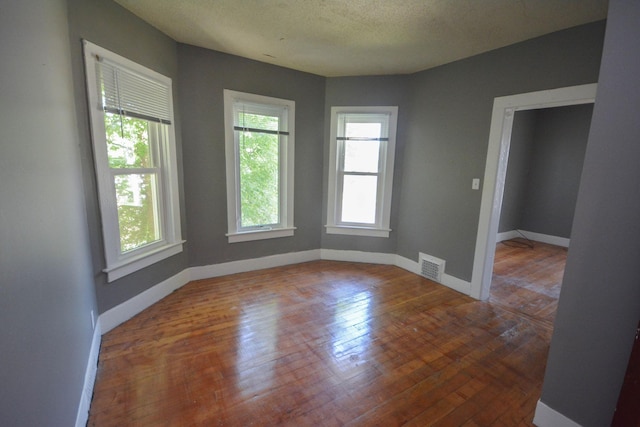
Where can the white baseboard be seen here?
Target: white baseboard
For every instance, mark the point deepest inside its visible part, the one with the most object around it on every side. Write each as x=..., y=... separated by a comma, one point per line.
x=89, y=378
x=536, y=237
x=449, y=281
x=545, y=238
x=547, y=417
x=406, y=263
x=125, y=311
x=456, y=284
x=241, y=266
x=507, y=235
x=357, y=256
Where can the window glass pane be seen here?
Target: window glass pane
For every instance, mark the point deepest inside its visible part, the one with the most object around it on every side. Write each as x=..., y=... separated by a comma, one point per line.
x=361, y=156
x=359, y=199
x=363, y=130
x=127, y=142
x=257, y=121
x=136, y=198
x=259, y=179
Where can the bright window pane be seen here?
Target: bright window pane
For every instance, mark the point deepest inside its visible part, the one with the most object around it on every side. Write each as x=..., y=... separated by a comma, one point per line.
x=361, y=156
x=259, y=182
x=137, y=210
x=257, y=121
x=127, y=142
x=363, y=130
x=359, y=199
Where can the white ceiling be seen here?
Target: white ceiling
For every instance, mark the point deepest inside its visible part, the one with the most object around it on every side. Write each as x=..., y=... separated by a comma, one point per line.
x=361, y=37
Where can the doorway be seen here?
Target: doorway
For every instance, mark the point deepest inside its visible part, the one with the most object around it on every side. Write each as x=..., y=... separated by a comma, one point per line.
x=543, y=175
x=504, y=109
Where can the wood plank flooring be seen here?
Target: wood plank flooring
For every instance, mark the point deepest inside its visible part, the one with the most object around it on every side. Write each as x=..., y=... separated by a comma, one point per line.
x=527, y=279
x=322, y=344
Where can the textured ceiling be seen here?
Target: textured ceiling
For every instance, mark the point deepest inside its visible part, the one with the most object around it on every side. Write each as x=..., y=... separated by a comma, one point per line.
x=361, y=37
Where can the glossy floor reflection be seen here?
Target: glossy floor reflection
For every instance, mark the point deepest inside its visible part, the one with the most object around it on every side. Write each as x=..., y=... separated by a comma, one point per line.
x=321, y=344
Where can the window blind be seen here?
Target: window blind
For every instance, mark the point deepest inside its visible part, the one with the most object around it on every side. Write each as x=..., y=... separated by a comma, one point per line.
x=260, y=110
x=130, y=94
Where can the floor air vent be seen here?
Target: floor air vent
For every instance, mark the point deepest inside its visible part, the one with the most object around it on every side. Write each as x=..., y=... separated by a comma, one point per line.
x=431, y=267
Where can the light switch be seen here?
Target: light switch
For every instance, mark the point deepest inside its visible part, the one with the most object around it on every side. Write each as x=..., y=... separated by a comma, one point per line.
x=475, y=184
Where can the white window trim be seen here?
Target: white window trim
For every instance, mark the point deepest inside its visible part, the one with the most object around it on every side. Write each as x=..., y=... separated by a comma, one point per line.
x=286, y=227
x=121, y=264
x=383, y=215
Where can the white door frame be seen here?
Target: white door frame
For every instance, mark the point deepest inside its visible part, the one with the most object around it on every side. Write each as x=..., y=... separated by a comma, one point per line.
x=496, y=169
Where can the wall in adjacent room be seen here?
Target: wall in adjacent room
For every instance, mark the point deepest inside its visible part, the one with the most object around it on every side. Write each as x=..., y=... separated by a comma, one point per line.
x=110, y=26
x=203, y=75
x=518, y=166
x=556, y=166
x=446, y=144
x=544, y=169
x=46, y=281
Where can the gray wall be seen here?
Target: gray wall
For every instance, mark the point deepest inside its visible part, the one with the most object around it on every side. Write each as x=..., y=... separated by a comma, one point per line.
x=599, y=305
x=544, y=169
x=519, y=164
x=203, y=75
x=446, y=145
x=556, y=166
x=367, y=91
x=108, y=25
x=46, y=284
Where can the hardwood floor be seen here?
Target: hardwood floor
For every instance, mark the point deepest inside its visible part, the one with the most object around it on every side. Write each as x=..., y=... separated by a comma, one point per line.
x=527, y=280
x=324, y=344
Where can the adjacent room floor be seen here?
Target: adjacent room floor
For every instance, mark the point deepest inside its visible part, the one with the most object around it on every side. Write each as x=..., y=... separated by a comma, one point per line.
x=527, y=277
x=329, y=344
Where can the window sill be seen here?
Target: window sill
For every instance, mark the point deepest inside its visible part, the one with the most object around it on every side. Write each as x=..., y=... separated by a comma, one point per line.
x=131, y=265
x=246, y=236
x=357, y=231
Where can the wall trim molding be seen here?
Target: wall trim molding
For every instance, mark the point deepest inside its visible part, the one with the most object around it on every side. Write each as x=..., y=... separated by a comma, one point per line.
x=449, y=281
x=125, y=311
x=537, y=237
x=89, y=377
x=507, y=235
x=357, y=256
x=548, y=417
x=241, y=266
x=456, y=284
x=407, y=264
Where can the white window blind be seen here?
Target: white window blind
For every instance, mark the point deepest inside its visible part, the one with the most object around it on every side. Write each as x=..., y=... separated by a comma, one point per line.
x=131, y=94
x=243, y=112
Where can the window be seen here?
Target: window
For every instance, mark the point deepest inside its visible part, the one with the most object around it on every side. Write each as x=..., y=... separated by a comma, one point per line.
x=131, y=110
x=259, y=150
x=361, y=170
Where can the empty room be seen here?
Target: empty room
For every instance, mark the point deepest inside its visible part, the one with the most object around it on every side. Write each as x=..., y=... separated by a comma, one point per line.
x=287, y=212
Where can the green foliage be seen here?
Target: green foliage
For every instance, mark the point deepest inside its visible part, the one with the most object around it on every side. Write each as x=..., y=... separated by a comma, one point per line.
x=259, y=171
x=127, y=142
x=259, y=178
x=128, y=147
